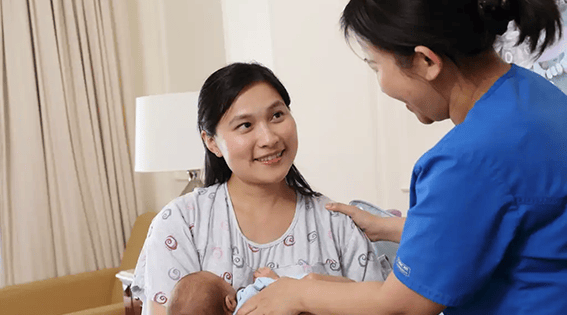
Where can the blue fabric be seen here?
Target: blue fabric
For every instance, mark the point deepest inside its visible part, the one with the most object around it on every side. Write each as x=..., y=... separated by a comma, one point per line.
x=250, y=290
x=486, y=232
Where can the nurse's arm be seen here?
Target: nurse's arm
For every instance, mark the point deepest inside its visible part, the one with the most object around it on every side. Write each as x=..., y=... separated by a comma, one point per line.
x=389, y=297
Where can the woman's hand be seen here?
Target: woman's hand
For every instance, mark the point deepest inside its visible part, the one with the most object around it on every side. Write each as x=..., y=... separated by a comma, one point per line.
x=279, y=298
x=376, y=228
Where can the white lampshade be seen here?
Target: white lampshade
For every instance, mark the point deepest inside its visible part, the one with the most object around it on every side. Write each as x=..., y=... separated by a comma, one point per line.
x=167, y=137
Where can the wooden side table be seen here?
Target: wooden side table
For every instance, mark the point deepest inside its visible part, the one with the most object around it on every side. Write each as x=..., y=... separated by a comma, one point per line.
x=132, y=305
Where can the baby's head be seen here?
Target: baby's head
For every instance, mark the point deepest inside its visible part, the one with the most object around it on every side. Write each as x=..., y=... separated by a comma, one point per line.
x=202, y=293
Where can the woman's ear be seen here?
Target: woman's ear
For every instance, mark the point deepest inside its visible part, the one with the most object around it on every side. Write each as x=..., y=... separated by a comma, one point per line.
x=427, y=63
x=230, y=302
x=211, y=144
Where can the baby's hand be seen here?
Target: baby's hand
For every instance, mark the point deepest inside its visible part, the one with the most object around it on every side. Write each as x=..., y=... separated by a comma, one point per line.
x=265, y=272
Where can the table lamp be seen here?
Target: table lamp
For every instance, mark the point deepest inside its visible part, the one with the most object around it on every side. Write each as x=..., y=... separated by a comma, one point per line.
x=167, y=137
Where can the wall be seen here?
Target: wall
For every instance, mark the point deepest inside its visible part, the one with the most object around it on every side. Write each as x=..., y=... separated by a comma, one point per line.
x=176, y=44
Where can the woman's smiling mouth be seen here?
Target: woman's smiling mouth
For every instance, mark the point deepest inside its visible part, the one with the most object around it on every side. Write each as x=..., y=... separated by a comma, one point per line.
x=270, y=159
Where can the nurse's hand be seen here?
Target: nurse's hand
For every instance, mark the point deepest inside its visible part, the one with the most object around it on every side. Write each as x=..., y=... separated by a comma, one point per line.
x=279, y=298
x=376, y=228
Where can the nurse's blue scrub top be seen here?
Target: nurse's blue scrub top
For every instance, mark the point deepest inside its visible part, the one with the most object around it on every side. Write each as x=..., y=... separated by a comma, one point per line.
x=486, y=232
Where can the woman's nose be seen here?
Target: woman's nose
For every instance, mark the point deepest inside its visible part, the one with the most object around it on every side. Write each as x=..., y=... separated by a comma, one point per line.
x=266, y=136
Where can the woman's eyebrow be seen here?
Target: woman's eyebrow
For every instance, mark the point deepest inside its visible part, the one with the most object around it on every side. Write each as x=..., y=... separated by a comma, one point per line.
x=239, y=117
x=276, y=103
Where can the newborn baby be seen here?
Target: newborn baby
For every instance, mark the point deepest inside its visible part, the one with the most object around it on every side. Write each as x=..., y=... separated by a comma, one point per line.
x=204, y=293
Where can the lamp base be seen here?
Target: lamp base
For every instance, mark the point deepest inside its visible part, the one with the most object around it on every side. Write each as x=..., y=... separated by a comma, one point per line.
x=194, y=182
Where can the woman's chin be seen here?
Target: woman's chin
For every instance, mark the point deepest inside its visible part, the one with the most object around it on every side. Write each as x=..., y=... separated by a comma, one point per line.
x=271, y=178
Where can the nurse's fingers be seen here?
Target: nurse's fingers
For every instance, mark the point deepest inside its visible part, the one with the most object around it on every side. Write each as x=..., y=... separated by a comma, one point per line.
x=364, y=219
x=343, y=208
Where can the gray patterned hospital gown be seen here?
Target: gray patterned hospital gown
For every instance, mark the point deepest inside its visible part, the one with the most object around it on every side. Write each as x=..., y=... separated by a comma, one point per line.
x=199, y=231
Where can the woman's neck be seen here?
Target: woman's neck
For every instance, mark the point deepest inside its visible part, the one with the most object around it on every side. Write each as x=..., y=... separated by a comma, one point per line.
x=471, y=80
x=263, y=212
x=258, y=197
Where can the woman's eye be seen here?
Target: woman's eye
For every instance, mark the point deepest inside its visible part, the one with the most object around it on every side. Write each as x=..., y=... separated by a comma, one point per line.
x=278, y=115
x=245, y=125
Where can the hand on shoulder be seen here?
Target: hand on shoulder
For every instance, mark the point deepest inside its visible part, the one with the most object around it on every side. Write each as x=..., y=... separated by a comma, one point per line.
x=376, y=228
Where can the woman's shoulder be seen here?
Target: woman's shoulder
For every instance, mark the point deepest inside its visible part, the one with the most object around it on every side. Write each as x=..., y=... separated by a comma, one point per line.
x=333, y=227
x=315, y=202
x=200, y=196
x=191, y=206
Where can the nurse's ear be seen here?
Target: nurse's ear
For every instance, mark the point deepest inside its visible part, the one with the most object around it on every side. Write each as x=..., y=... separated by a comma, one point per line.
x=426, y=63
x=211, y=144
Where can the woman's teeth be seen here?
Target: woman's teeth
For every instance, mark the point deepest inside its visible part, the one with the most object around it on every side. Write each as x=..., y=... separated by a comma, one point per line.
x=271, y=157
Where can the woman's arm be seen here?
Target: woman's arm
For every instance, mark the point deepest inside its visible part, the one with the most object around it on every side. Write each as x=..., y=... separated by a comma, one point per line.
x=376, y=228
x=169, y=253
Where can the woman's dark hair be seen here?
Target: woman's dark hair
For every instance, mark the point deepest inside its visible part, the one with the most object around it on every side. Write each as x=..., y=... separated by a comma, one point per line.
x=217, y=95
x=451, y=28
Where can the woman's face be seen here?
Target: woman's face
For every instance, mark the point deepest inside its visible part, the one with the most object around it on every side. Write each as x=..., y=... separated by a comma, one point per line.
x=257, y=136
x=417, y=93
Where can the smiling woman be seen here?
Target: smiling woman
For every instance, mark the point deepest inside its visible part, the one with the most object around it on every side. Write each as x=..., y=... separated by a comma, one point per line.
x=256, y=209
x=241, y=84
x=257, y=136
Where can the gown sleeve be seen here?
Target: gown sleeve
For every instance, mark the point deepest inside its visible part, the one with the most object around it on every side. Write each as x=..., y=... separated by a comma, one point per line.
x=168, y=254
x=359, y=260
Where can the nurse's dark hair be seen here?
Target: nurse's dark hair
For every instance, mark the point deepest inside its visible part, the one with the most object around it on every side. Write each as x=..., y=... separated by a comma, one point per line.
x=451, y=28
x=217, y=95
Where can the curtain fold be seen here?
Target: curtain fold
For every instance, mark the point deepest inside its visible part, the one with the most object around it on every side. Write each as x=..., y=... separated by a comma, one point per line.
x=68, y=199
x=4, y=194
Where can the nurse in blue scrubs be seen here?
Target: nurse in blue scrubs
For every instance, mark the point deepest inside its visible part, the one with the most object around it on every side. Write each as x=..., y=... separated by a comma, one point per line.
x=486, y=232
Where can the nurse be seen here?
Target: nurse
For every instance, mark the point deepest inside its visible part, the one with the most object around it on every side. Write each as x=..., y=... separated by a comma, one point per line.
x=486, y=232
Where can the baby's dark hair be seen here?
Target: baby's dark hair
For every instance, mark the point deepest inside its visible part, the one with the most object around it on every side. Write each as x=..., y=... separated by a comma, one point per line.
x=211, y=298
x=217, y=95
x=451, y=28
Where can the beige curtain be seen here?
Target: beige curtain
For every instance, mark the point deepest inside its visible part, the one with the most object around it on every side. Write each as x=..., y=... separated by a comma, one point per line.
x=67, y=196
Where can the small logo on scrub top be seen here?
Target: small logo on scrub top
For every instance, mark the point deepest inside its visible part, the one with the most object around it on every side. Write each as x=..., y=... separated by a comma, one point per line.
x=403, y=268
